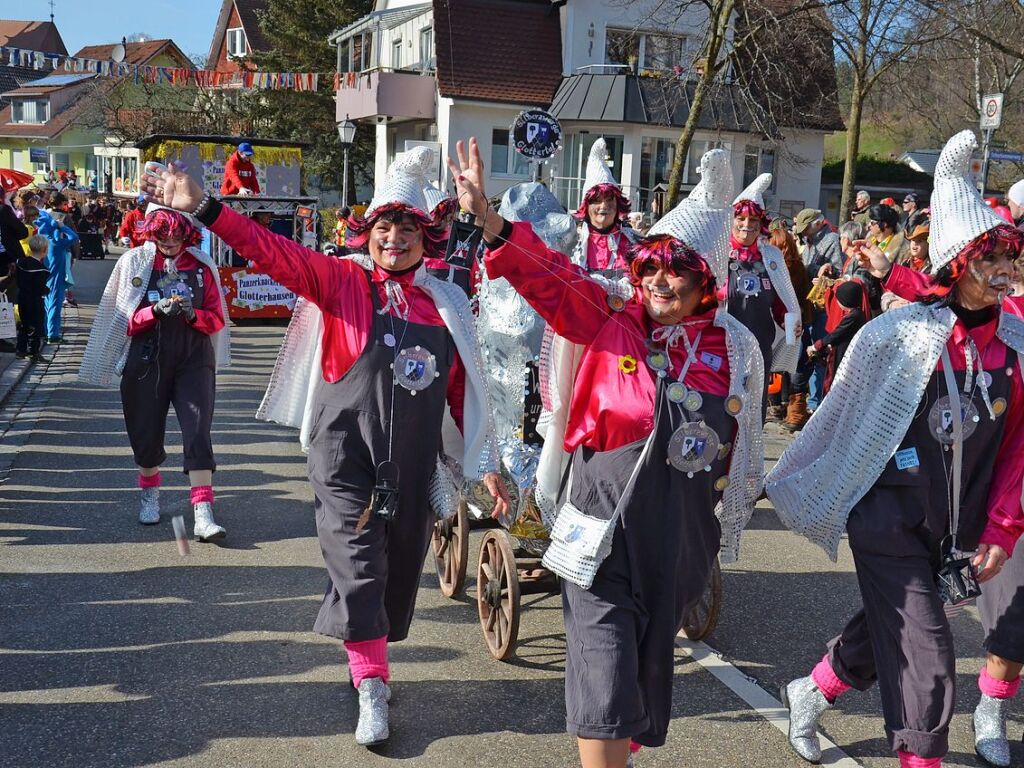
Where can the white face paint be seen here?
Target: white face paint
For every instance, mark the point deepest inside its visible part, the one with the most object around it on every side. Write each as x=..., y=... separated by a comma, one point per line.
x=396, y=246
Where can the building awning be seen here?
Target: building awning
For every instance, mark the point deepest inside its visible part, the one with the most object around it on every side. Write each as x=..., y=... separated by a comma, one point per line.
x=388, y=18
x=661, y=101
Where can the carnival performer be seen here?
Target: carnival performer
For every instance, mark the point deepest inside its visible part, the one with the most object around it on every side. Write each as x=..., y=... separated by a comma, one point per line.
x=160, y=327
x=58, y=261
x=663, y=427
x=760, y=290
x=927, y=415
x=391, y=344
x=605, y=238
x=240, y=173
x=133, y=225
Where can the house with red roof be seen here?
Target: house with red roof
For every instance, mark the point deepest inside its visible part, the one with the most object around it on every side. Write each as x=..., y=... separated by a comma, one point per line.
x=436, y=71
x=236, y=35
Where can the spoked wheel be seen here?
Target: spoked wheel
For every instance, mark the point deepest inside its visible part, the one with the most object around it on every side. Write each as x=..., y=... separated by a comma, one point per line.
x=450, y=543
x=703, y=617
x=498, y=594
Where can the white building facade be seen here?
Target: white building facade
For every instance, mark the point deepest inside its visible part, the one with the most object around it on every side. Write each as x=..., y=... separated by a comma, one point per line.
x=439, y=71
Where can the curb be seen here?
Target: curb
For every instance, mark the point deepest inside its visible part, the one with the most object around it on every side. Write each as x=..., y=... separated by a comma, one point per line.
x=11, y=378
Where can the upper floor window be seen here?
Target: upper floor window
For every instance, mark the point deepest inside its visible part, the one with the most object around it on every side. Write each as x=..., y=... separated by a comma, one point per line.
x=34, y=111
x=426, y=48
x=236, y=43
x=396, y=54
x=757, y=160
x=644, y=50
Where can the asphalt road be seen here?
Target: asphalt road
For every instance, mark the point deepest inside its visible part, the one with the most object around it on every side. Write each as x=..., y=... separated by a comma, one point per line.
x=116, y=651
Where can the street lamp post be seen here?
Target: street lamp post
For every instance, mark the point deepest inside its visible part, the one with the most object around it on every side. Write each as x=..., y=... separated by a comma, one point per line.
x=347, y=134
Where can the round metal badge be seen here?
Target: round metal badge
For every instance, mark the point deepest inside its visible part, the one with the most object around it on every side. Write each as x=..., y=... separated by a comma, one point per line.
x=389, y=339
x=999, y=406
x=693, y=401
x=773, y=265
x=137, y=282
x=676, y=392
x=415, y=368
x=722, y=483
x=940, y=419
x=986, y=379
x=658, y=360
x=723, y=450
x=734, y=265
x=748, y=284
x=693, y=447
x=616, y=302
x=733, y=405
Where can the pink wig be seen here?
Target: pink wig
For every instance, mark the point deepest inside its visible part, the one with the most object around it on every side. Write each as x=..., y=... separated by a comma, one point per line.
x=599, y=191
x=435, y=236
x=164, y=224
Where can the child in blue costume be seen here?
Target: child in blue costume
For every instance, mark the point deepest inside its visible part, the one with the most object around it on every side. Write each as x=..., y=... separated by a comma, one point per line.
x=61, y=239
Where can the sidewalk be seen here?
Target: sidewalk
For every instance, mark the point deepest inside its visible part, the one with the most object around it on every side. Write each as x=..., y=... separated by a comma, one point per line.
x=12, y=371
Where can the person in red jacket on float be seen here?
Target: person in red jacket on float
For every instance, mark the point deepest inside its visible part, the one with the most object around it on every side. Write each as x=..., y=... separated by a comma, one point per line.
x=240, y=173
x=133, y=224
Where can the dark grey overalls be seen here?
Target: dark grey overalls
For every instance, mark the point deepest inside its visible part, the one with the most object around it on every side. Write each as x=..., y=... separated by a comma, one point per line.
x=620, y=634
x=901, y=637
x=171, y=363
x=751, y=299
x=374, y=564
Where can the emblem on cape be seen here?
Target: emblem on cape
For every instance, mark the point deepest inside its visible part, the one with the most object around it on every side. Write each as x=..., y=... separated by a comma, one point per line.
x=940, y=419
x=748, y=283
x=693, y=447
x=137, y=282
x=415, y=368
x=627, y=364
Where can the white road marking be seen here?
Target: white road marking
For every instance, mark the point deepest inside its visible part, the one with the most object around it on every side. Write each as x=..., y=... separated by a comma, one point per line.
x=762, y=702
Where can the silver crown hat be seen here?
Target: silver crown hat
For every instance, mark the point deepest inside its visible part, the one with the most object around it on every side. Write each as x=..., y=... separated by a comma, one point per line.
x=958, y=213
x=598, y=171
x=404, y=181
x=703, y=219
x=157, y=207
x=755, y=192
x=533, y=202
x=433, y=197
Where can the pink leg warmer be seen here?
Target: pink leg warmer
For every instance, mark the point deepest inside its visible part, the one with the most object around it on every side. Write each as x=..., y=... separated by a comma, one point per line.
x=153, y=481
x=910, y=760
x=825, y=678
x=997, y=689
x=202, y=493
x=634, y=747
x=368, y=658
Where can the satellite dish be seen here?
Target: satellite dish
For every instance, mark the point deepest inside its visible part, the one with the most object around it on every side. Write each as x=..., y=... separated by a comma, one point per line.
x=118, y=53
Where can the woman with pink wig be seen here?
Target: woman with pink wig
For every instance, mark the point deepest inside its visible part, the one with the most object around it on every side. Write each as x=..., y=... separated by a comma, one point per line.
x=605, y=238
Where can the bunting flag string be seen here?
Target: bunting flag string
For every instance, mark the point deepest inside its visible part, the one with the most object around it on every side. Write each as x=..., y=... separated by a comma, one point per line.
x=173, y=76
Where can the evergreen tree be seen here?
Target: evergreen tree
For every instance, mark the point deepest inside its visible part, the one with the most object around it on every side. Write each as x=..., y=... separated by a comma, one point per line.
x=298, y=31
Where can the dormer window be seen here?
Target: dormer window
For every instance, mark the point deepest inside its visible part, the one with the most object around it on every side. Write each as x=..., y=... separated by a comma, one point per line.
x=236, y=43
x=30, y=111
x=644, y=50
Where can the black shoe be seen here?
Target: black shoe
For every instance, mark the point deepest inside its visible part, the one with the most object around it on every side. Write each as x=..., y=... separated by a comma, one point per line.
x=21, y=355
x=38, y=358
x=55, y=339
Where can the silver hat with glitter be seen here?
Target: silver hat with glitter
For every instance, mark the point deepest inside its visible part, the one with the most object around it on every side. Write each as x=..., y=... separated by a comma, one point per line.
x=598, y=171
x=703, y=219
x=405, y=180
x=533, y=202
x=755, y=192
x=959, y=215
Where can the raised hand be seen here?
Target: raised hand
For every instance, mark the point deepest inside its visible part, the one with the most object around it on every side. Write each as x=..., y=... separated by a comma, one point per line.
x=469, y=178
x=171, y=187
x=872, y=258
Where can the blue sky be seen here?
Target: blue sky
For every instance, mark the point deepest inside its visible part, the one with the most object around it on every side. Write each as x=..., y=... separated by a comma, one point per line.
x=92, y=22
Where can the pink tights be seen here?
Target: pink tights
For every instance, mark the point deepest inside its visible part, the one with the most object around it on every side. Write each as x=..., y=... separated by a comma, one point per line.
x=368, y=658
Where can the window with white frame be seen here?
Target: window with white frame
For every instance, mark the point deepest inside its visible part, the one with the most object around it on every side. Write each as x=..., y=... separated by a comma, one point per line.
x=505, y=161
x=396, y=54
x=758, y=160
x=697, y=150
x=30, y=111
x=644, y=50
x=236, y=43
x=427, y=49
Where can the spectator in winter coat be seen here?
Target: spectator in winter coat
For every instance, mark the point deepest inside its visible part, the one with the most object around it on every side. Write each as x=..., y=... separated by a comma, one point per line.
x=240, y=173
x=32, y=281
x=12, y=231
x=914, y=215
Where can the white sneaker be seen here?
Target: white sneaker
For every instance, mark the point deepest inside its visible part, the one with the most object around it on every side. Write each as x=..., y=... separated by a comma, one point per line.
x=149, y=508
x=206, y=527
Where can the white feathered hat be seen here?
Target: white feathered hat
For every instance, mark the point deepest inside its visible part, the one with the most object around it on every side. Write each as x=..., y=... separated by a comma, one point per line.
x=598, y=171
x=404, y=182
x=755, y=192
x=703, y=219
x=958, y=213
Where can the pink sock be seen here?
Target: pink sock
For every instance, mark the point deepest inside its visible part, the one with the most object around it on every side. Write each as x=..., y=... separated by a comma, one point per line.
x=910, y=760
x=202, y=493
x=825, y=678
x=153, y=481
x=997, y=689
x=368, y=658
x=634, y=747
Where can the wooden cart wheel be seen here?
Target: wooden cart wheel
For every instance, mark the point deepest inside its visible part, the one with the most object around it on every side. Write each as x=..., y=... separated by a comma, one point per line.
x=498, y=594
x=703, y=617
x=450, y=543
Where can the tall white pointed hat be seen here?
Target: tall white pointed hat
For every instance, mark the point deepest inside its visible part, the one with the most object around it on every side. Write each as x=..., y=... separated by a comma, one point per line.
x=703, y=219
x=958, y=213
x=433, y=197
x=755, y=192
x=404, y=181
x=598, y=171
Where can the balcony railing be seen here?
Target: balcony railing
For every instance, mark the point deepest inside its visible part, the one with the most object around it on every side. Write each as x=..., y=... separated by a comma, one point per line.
x=387, y=93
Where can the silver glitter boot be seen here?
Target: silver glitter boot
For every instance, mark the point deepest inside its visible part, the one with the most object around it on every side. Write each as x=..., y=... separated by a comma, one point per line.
x=990, y=732
x=149, y=509
x=373, y=712
x=806, y=704
x=206, y=527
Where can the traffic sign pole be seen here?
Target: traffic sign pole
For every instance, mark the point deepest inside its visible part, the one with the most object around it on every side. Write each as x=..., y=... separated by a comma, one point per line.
x=987, y=159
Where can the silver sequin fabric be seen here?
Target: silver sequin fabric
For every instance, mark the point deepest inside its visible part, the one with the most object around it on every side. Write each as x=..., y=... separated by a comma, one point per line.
x=149, y=506
x=372, y=727
x=806, y=704
x=990, y=731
